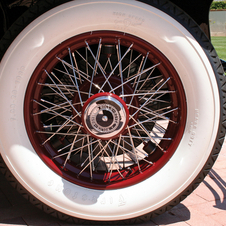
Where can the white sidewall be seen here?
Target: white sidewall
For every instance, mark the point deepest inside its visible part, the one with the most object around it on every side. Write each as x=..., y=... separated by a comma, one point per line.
x=150, y=24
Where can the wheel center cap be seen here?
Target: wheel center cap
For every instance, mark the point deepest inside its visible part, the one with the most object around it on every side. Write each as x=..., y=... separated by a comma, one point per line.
x=105, y=116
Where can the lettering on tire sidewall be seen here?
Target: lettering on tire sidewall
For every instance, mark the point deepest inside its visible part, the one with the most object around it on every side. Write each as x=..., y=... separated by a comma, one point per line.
x=193, y=127
x=14, y=93
x=74, y=195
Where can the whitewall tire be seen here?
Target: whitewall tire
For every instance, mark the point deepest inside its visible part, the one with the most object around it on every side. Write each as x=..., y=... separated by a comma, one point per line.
x=110, y=110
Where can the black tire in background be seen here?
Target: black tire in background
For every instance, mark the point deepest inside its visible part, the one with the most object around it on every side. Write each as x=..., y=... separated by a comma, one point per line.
x=160, y=57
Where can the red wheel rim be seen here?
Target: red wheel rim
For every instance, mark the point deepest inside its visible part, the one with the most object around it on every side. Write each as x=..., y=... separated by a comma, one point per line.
x=121, y=83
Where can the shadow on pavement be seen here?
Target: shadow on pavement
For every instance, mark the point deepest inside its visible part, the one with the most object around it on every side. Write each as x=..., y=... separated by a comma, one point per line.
x=220, y=204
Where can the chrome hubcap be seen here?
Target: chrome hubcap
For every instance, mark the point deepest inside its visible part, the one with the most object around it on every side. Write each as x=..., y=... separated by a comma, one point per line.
x=105, y=116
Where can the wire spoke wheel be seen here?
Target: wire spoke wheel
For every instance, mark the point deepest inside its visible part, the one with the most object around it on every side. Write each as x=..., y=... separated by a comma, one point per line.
x=107, y=109
x=110, y=110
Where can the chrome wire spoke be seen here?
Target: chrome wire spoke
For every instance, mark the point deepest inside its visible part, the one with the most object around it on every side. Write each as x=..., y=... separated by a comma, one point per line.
x=111, y=158
x=113, y=164
x=147, y=114
x=74, y=142
x=59, y=133
x=89, y=164
x=129, y=153
x=76, y=66
x=157, y=100
x=135, y=150
x=61, y=93
x=130, y=64
x=51, y=111
x=63, y=87
x=55, y=126
x=55, y=107
x=108, y=63
x=72, y=145
x=67, y=118
x=140, y=70
x=156, y=133
x=114, y=160
x=117, y=65
x=157, y=116
x=118, y=48
x=134, y=77
x=146, y=111
x=75, y=76
x=60, y=85
x=54, y=88
x=146, y=93
x=143, y=81
x=71, y=77
x=162, y=116
x=54, y=116
x=155, y=92
x=146, y=132
x=85, y=59
x=84, y=75
x=100, y=67
x=55, y=133
x=90, y=153
x=67, y=72
x=148, y=77
x=76, y=149
x=95, y=66
x=96, y=147
x=143, y=138
x=63, y=126
x=166, y=111
x=149, y=99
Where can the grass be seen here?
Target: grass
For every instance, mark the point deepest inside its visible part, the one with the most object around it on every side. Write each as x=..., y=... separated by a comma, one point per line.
x=219, y=44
